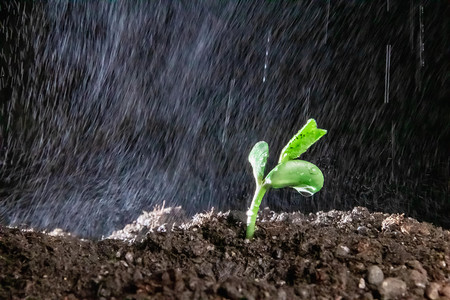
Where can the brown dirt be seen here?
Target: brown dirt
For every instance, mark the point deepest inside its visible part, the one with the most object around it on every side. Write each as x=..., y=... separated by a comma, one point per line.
x=328, y=255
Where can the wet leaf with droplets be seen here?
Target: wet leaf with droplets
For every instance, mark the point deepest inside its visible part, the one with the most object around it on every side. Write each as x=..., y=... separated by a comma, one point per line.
x=258, y=159
x=305, y=138
x=301, y=175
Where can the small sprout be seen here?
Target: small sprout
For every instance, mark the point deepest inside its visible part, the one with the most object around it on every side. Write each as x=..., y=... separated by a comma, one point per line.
x=303, y=176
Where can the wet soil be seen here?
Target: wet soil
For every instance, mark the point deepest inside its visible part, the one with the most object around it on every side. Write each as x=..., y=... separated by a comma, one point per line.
x=328, y=255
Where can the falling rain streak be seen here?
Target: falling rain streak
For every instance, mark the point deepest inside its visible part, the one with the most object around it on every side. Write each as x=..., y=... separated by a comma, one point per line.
x=392, y=150
x=227, y=113
x=421, y=36
x=266, y=59
x=327, y=22
x=411, y=26
x=307, y=102
x=387, y=74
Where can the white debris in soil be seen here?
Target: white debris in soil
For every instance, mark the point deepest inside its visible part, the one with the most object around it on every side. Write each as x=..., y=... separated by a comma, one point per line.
x=55, y=232
x=158, y=220
x=162, y=219
x=59, y=232
x=362, y=284
x=200, y=218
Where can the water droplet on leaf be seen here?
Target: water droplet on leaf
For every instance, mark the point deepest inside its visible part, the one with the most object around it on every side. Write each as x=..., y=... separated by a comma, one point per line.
x=306, y=194
x=304, y=191
x=313, y=170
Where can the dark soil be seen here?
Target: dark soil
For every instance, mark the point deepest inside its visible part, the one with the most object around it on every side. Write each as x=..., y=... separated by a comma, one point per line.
x=328, y=255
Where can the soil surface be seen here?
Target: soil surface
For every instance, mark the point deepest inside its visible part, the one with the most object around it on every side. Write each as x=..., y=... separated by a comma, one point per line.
x=328, y=255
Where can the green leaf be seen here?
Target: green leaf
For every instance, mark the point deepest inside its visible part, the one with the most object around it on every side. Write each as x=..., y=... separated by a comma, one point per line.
x=301, y=175
x=304, y=139
x=258, y=159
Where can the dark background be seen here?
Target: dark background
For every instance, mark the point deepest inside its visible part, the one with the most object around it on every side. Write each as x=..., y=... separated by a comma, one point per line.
x=111, y=107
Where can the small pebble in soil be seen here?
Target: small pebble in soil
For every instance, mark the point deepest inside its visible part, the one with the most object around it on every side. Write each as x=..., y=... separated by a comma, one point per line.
x=342, y=250
x=418, y=291
x=392, y=288
x=137, y=275
x=362, y=283
x=375, y=275
x=282, y=295
x=417, y=265
x=129, y=257
x=362, y=230
x=432, y=290
x=445, y=291
x=420, y=280
x=277, y=253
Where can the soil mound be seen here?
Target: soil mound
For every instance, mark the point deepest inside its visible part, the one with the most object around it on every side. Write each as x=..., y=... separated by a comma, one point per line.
x=327, y=255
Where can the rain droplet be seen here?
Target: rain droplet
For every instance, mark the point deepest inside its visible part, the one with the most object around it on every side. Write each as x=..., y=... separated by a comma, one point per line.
x=305, y=192
x=313, y=171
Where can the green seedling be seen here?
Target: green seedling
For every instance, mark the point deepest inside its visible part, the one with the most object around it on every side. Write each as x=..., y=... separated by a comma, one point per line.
x=301, y=175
